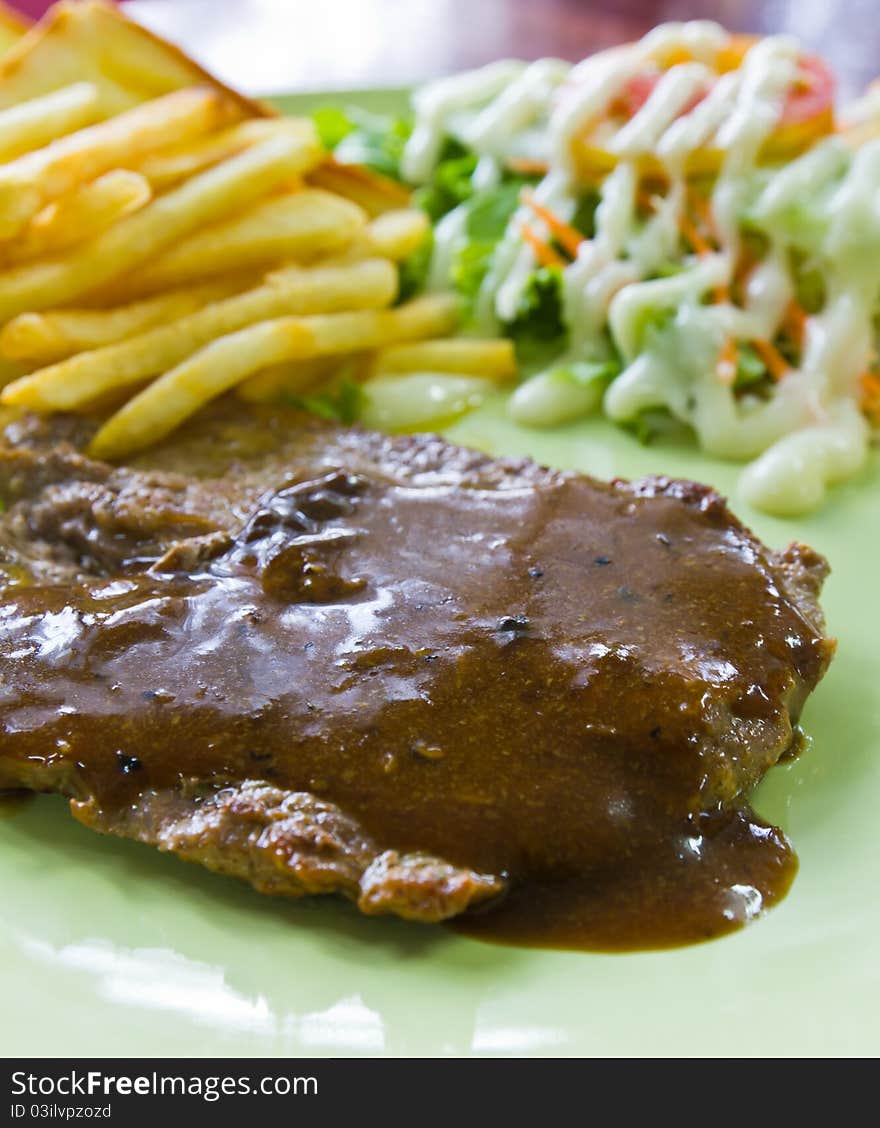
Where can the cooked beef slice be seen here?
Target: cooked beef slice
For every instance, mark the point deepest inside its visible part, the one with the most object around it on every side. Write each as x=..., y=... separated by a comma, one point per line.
x=323, y=659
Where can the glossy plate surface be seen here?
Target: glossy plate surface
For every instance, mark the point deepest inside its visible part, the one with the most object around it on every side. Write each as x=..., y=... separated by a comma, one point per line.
x=108, y=948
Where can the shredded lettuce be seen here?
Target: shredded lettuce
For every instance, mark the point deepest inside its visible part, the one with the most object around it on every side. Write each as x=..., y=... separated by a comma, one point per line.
x=655, y=423
x=584, y=218
x=802, y=223
x=413, y=270
x=450, y=185
x=487, y=217
x=332, y=125
x=539, y=324
x=652, y=325
x=490, y=212
x=357, y=137
x=666, y=269
x=469, y=269
x=750, y=369
x=342, y=402
x=809, y=282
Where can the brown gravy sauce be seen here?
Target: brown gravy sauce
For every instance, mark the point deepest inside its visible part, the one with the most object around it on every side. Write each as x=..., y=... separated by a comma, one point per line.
x=569, y=685
x=682, y=890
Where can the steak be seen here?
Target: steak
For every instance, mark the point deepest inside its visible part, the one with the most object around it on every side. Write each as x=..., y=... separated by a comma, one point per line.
x=325, y=660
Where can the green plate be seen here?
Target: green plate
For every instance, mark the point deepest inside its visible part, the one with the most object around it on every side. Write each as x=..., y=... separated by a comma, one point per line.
x=109, y=948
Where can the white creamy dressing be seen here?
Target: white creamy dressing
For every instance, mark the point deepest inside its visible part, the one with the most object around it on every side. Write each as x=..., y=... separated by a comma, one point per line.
x=810, y=432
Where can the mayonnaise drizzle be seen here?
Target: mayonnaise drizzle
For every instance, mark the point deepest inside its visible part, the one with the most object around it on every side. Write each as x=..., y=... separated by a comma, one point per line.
x=811, y=419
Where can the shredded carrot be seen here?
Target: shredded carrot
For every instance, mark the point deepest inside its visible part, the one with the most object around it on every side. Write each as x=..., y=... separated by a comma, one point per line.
x=702, y=247
x=702, y=238
x=526, y=166
x=870, y=401
x=776, y=363
x=694, y=237
x=544, y=253
x=568, y=237
x=727, y=358
x=743, y=271
x=703, y=211
x=697, y=243
x=795, y=322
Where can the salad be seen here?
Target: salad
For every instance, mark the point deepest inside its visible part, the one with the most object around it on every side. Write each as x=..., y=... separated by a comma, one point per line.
x=679, y=232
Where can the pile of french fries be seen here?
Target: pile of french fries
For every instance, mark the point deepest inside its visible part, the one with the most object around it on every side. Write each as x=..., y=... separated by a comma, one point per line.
x=158, y=251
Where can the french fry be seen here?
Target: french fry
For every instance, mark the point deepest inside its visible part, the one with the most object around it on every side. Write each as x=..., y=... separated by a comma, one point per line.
x=333, y=334
x=34, y=179
x=291, y=378
x=170, y=166
x=171, y=399
x=491, y=359
x=394, y=234
x=9, y=370
x=79, y=215
x=41, y=338
x=298, y=290
x=297, y=225
x=374, y=193
x=160, y=407
x=34, y=123
x=233, y=184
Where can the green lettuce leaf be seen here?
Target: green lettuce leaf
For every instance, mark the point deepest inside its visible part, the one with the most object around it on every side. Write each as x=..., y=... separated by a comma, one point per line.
x=538, y=325
x=355, y=136
x=341, y=403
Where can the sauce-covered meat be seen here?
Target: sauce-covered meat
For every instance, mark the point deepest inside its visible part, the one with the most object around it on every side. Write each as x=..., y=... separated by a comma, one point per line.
x=326, y=660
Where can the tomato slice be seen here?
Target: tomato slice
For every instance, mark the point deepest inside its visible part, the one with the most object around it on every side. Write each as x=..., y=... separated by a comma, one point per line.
x=634, y=94
x=810, y=97
x=637, y=92
x=813, y=92
x=807, y=113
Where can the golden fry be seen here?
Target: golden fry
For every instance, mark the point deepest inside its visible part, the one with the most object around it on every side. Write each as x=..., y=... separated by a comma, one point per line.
x=233, y=184
x=9, y=370
x=374, y=193
x=159, y=408
x=491, y=359
x=170, y=166
x=36, y=122
x=352, y=332
x=79, y=215
x=297, y=225
x=297, y=290
x=33, y=180
x=162, y=406
x=293, y=377
x=394, y=234
x=41, y=338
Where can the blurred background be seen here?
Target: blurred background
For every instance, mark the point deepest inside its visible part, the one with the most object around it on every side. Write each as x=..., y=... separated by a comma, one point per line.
x=268, y=46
